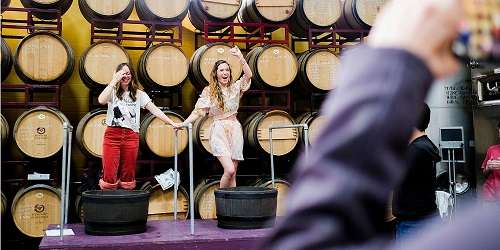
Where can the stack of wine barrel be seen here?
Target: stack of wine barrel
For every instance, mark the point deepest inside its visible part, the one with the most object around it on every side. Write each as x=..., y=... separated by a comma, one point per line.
x=38, y=131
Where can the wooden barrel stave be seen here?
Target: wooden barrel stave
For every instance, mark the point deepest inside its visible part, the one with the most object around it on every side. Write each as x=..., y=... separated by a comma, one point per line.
x=90, y=132
x=317, y=70
x=256, y=132
x=315, y=121
x=266, y=11
x=273, y=66
x=201, y=128
x=157, y=138
x=61, y=5
x=213, y=11
x=203, y=60
x=161, y=11
x=36, y=207
x=109, y=10
x=38, y=132
x=163, y=66
x=161, y=202
x=204, y=199
x=282, y=186
x=5, y=131
x=98, y=63
x=44, y=46
x=358, y=15
x=314, y=14
x=6, y=60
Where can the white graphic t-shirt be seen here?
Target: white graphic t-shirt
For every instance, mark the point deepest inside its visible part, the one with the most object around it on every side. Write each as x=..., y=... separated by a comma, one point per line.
x=126, y=112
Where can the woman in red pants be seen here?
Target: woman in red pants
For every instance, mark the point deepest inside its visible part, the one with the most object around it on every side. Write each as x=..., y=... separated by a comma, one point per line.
x=121, y=138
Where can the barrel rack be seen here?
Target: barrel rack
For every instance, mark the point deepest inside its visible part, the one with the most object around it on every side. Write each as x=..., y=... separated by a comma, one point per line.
x=30, y=24
x=124, y=33
x=330, y=38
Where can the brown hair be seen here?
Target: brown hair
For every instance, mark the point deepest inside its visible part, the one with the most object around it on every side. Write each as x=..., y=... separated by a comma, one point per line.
x=215, y=90
x=132, y=87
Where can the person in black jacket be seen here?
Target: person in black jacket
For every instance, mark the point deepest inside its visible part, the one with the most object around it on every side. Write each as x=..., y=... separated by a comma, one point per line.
x=414, y=201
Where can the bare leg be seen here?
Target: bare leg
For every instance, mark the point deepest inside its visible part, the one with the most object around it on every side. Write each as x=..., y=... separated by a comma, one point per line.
x=233, y=181
x=229, y=172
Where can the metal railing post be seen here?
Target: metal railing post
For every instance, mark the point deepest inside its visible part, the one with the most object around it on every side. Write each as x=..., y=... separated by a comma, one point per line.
x=175, y=173
x=65, y=172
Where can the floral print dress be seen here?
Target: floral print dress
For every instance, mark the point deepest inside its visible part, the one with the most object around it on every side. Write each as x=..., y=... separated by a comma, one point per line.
x=226, y=133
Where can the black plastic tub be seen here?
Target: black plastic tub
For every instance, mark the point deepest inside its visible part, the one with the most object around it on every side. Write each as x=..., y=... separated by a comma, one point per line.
x=117, y=212
x=246, y=207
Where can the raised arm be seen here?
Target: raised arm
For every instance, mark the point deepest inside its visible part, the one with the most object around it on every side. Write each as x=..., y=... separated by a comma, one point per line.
x=247, y=72
x=105, y=95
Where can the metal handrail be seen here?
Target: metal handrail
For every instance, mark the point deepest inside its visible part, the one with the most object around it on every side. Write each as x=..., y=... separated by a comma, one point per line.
x=66, y=172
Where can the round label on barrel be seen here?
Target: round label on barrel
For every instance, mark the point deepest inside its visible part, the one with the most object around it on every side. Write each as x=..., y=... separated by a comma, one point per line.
x=42, y=57
x=37, y=137
x=322, y=13
x=35, y=210
x=167, y=9
x=108, y=7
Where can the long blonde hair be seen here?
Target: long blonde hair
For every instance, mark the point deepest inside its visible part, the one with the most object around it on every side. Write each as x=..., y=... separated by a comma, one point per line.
x=215, y=90
x=132, y=87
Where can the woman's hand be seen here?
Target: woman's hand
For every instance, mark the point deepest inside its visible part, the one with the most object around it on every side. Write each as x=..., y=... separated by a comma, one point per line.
x=235, y=51
x=177, y=125
x=117, y=77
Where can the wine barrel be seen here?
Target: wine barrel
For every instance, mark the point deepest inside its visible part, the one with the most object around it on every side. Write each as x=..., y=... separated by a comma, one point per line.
x=44, y=58
x=157, y=137
x=273, y=66
x=5, y=4
x=317, y=14
x=36, y=207
x=315, y=123
x=161, y=11
x=38, y=132
x=266, y=11
x=256, y=132
x=90, y=132
x=213, y=11
x=61, y=5
x=318, y=69
x=98, y=63
x=203, y=61
x=201, y=131
x=359, y=15
x=6, y=60
x=161, y=202
x=163, y=66
x=282, y=186
x=204, y=199
x=116, y=212
x=5, y=131
x=3, y=205
x=110, y=10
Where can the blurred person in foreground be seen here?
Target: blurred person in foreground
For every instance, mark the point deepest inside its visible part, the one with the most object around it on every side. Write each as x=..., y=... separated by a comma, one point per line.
x=338, y=197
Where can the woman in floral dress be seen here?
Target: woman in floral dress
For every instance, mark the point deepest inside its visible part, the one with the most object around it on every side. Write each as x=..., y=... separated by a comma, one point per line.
x=220, y=99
